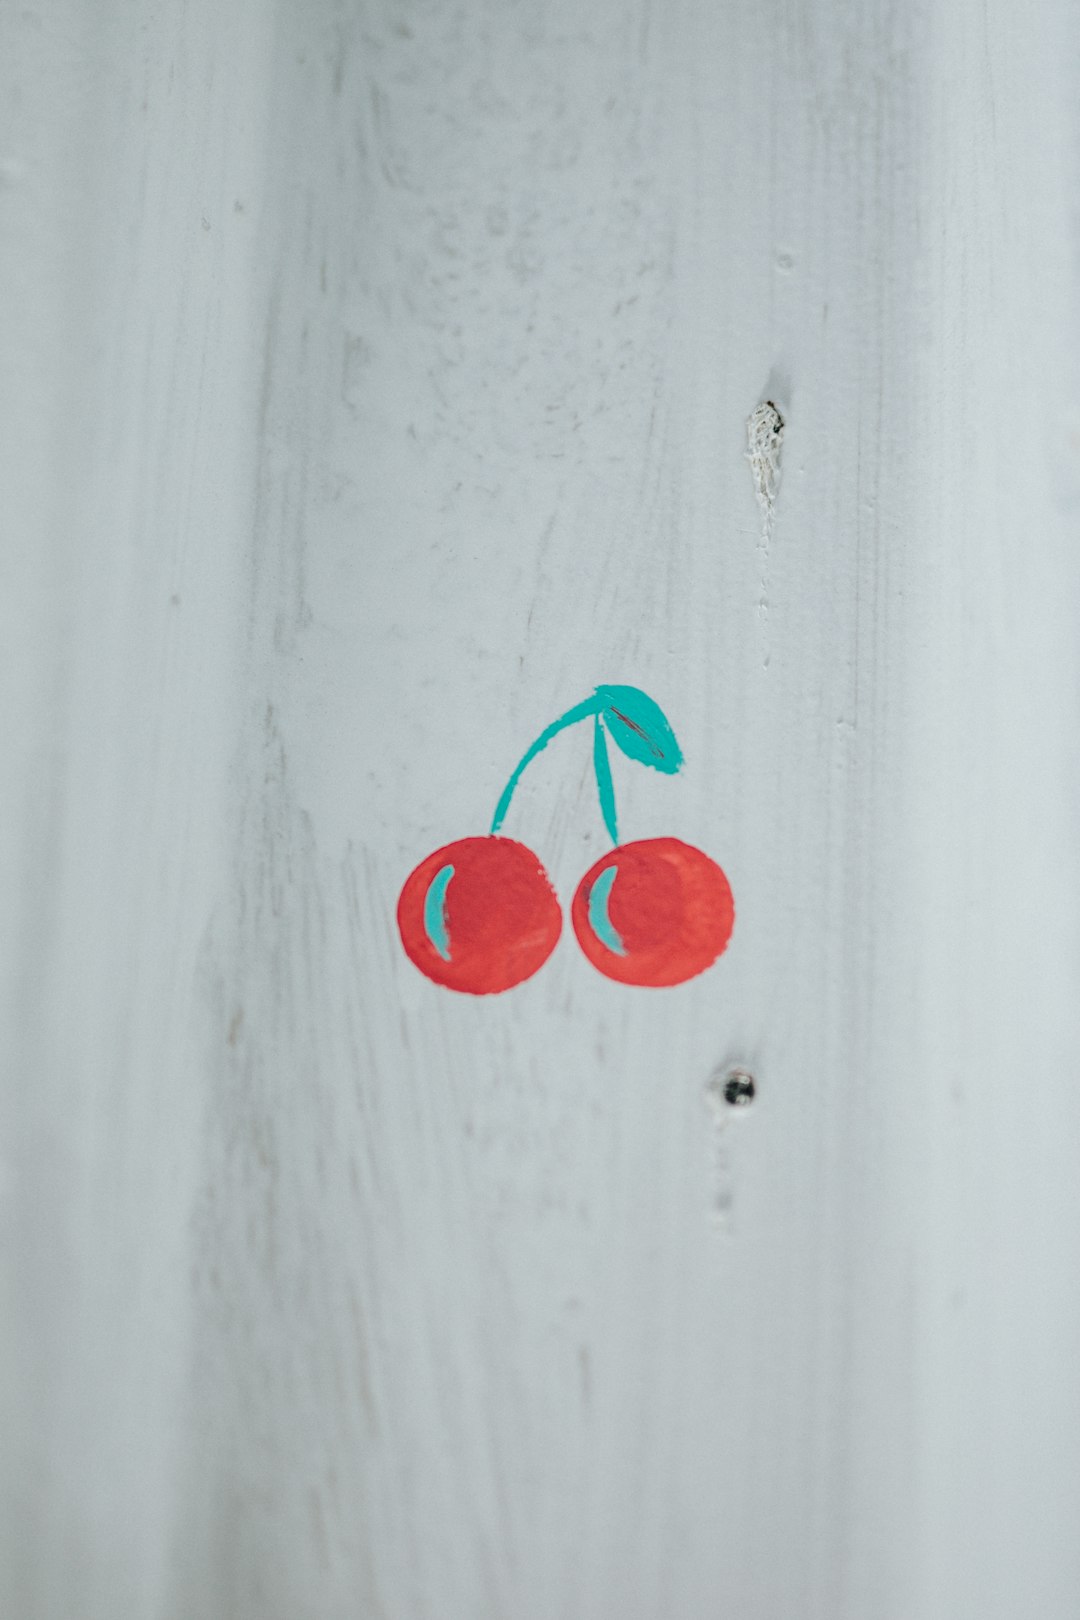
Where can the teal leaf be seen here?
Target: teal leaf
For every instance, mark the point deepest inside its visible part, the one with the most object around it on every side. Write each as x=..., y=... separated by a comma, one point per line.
x=640, y=727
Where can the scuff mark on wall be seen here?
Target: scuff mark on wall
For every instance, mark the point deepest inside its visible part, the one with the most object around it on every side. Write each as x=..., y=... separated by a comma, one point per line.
x=765, y=437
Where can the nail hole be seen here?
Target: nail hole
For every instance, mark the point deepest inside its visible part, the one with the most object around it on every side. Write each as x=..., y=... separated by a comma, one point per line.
x=740, y=1088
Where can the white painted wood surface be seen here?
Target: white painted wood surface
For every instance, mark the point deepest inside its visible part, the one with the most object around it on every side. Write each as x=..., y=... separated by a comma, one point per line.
x=376, y=381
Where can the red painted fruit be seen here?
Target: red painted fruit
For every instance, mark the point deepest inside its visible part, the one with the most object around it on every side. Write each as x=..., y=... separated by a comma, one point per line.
x=479, y=915
x=655, y=912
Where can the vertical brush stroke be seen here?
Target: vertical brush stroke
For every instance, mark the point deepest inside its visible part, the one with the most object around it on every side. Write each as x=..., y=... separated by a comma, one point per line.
x=604, y=786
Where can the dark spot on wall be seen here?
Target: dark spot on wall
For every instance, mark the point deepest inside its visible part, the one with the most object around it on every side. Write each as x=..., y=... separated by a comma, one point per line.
x=740, y=1088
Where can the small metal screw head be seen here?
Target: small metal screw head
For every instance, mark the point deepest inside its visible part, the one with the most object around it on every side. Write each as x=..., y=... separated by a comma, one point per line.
x=739, y=1088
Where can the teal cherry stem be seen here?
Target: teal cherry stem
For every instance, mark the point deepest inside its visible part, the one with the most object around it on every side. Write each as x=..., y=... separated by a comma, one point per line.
x=580, y=711
x=605, y=787
x=635, y=723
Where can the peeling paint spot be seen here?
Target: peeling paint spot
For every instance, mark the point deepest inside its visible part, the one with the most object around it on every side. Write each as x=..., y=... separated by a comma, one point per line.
x=765, y=436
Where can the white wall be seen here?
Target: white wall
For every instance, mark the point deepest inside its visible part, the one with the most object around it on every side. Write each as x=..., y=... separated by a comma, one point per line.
x=376, y=383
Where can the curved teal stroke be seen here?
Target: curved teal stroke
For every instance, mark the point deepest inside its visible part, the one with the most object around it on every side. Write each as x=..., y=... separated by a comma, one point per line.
x=599, y=920
x=435, y=911
x=580, y=711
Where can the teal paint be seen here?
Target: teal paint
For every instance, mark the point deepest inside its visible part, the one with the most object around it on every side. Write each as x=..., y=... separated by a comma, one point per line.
x=580, y=711
x=604, y=785
x=599, y=921
x=638, y=727
x=435, y=911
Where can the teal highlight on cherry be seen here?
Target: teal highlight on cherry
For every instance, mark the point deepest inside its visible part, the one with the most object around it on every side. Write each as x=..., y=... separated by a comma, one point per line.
x=599, y=919
x=636, y=725
x=435, y=912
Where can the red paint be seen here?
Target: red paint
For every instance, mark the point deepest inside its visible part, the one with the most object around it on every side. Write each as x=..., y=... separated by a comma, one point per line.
x=670, y=905
x=502, y=917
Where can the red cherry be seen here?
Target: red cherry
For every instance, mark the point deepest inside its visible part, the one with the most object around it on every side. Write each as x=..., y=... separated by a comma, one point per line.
x=479, y=915
x=664, y=914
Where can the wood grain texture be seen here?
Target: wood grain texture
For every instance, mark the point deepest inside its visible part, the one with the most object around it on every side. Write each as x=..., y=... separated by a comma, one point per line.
x=380, y=381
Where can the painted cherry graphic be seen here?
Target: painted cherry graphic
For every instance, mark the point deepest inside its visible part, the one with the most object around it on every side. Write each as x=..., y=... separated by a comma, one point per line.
x=655, y=912
x=480, y=915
